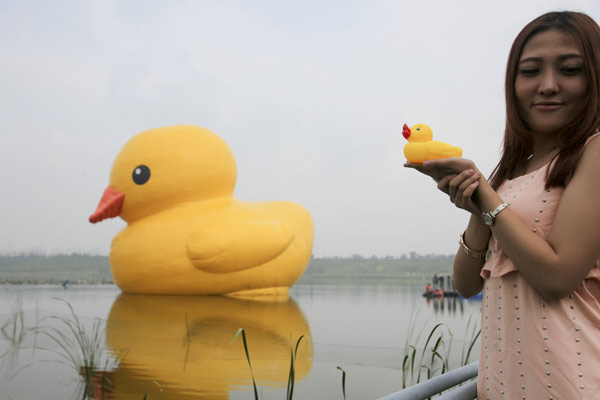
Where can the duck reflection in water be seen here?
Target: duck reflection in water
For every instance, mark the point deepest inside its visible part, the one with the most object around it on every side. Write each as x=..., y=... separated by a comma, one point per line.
x=180, y=347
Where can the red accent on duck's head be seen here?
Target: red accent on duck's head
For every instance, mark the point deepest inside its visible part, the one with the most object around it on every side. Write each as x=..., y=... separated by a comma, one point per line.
x=406, y=131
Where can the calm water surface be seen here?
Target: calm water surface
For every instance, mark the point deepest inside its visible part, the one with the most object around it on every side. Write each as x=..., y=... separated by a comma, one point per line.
x=179, y=347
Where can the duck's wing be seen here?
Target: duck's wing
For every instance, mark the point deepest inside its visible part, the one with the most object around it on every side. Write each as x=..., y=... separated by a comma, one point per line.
x=237, y=244
x=438, y=150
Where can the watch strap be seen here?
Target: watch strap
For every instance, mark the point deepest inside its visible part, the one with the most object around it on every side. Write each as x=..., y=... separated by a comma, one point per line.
x=492, y=214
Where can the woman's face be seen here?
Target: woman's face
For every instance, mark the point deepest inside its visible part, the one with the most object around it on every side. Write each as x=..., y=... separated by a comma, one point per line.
x=551, y=83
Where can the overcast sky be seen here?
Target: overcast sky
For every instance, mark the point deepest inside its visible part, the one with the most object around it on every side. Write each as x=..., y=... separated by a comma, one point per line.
x=311, y=97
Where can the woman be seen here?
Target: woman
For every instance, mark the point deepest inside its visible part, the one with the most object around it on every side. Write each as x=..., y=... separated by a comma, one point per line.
x=533, y=240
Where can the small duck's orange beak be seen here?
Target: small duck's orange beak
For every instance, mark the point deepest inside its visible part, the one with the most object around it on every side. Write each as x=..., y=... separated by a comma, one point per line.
x=406, y=131
x=110, y=205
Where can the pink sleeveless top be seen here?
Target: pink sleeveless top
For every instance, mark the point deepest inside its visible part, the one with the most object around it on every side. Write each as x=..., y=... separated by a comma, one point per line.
x=532, y=348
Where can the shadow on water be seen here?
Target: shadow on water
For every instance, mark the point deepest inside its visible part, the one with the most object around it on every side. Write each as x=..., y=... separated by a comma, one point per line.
x=181, y=346
x=450, y=305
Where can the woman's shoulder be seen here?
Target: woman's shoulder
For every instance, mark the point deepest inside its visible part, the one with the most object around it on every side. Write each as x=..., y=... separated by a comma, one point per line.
x=591, y=138
x=591, y=148
x=588, y=165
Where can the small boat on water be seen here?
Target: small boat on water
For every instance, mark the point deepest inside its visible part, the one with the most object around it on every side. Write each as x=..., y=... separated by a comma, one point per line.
x=430, y=294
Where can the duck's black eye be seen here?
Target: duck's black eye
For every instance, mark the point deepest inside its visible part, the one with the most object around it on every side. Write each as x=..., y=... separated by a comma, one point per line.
x=141, y=174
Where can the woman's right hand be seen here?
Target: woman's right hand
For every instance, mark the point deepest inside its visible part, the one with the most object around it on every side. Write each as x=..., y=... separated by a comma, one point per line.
x=461, y=188
x=438, y=169
x=455, y=176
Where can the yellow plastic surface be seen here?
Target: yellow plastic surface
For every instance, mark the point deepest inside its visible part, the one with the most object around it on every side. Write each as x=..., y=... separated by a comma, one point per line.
x=421, y=146
x=188, y=234
x=180, y=347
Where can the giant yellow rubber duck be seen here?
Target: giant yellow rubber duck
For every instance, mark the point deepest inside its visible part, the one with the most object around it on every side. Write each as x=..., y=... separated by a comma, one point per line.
x=421, y=146
x=186, y=232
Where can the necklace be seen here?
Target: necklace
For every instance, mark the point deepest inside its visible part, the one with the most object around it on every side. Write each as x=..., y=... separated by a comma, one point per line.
x=543, y=162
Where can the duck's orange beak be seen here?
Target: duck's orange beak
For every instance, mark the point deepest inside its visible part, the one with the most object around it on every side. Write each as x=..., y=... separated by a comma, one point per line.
x=110, y=205
x=406, y=131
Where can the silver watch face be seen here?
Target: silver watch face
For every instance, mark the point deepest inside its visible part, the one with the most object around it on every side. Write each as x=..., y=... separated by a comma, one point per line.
x=487, y=219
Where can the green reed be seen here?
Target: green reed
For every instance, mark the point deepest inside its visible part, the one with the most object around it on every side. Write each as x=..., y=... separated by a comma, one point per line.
x=435, y=353
x=83, y=350
x=243, y=332
x=474, y=335
x=15, y=332
x=292, y=372
x=343, y=381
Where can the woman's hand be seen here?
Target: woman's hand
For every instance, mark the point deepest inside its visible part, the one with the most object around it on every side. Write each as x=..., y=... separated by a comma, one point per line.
x=461, y=188
x=457, y=177
x=438, y=169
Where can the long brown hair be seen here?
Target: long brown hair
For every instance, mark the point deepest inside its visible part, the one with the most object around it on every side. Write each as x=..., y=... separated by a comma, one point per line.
x=518, y=141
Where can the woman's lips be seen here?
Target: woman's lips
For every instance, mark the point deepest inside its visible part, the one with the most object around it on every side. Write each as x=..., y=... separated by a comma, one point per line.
x=542, y=106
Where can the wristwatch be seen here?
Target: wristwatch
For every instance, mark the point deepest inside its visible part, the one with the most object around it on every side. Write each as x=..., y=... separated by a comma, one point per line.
x=489, y=218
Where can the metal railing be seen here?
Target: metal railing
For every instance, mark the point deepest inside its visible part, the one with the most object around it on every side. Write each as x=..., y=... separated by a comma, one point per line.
x=439, y=384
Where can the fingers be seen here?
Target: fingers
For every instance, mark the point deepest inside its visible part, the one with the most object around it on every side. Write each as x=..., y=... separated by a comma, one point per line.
x=467, y=194
x=444, y=183
x=458, y=185
x=450, y=165
x=417, y=166
x=459, y=178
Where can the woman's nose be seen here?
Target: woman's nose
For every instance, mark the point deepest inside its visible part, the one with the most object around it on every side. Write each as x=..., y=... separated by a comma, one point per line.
x=549, y=83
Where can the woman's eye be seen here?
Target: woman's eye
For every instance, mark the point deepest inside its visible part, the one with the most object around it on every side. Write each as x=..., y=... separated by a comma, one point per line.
x=571, y=70
x=528, y=71
x=141, y=174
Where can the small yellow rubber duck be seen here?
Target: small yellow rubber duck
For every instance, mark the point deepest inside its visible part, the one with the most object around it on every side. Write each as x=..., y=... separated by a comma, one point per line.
x=186, y=232
x=421, y=146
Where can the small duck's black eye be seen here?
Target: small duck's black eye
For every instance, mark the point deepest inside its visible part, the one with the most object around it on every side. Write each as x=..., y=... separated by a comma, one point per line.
x=418, y=129
x=141, y=174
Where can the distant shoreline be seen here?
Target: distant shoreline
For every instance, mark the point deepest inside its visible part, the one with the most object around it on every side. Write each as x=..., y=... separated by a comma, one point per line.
x=80, y=269
x=54, y=282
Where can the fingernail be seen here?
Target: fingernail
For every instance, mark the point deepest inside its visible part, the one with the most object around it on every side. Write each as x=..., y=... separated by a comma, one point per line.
x=470, y=171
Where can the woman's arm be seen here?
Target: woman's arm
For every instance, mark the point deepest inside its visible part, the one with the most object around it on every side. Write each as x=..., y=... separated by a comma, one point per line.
x=467, y=269
x=459, y=179
x=557, y=265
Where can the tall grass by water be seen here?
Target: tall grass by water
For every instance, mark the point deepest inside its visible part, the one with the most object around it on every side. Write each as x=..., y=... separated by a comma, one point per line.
x=15, y=332
x=84, y=350
x=423, y=360
x=434, y=355
x=79, y=348
x=292, y=372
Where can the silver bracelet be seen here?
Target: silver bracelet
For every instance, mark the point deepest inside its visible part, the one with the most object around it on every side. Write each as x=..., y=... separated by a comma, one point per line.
x=477, y=254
